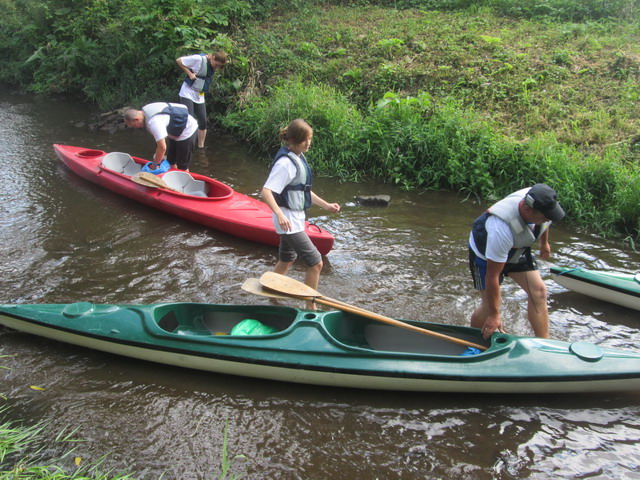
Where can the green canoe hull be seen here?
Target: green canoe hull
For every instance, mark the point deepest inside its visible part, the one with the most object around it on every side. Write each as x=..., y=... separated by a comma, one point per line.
x=329, y=348
x=614, y=287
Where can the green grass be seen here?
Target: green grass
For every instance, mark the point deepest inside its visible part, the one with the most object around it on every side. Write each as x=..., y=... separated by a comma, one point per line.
x=579, y=81
x=16, y=464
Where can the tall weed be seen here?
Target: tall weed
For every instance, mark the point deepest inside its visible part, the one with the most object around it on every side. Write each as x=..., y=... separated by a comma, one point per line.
x=335, y=123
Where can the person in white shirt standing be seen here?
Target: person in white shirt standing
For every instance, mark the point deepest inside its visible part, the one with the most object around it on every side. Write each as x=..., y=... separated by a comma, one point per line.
x=173, y=129
x=500, y=245
x=288, y=193
x=199, y=70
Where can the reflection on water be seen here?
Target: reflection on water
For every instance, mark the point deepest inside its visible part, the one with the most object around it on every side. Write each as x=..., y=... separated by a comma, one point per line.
x=64, y=239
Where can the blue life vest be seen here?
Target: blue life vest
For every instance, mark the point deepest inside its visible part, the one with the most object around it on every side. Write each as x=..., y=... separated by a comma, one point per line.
x=203, y=76
x=178, y=116
x=296, y=195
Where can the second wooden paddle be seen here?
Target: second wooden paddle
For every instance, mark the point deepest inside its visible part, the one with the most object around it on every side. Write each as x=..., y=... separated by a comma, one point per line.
x=150, y=180
x=293, y=288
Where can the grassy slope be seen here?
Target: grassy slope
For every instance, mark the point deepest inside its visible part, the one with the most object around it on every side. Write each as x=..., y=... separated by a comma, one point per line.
x=579, y=81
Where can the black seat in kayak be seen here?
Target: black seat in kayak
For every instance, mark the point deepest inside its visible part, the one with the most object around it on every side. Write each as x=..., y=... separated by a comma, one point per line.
x=121, y=163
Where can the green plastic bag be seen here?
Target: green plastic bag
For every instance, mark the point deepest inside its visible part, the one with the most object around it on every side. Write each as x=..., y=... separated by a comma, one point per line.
x=249, y=326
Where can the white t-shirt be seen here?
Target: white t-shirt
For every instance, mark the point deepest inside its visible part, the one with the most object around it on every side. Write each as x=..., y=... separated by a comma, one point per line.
x=282, y=173
x=158, y=124
x=499, y=240
x=192, y=62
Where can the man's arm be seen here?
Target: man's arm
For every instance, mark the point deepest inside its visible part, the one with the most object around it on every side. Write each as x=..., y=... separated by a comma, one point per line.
x=545, y=247
x=492, y=298
x=161, y=149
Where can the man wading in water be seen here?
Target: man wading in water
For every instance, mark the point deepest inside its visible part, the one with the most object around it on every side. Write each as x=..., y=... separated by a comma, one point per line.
x=500, y=245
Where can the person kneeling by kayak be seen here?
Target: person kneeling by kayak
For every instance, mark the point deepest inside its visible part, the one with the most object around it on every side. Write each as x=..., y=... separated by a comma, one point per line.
x=167, y=121
x=288, y=193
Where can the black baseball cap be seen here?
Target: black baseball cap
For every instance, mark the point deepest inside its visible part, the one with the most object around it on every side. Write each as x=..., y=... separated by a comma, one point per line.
x=544, y=199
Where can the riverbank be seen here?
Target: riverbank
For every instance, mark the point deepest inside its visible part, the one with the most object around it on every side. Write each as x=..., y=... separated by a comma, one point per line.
x=72, y=241
x=478, y=97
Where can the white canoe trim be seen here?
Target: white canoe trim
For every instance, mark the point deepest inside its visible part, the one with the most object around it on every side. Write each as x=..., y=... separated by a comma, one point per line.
x=598, y=291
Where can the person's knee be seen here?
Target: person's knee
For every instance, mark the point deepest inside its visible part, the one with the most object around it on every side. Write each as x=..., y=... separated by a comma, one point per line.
x=317, y=267
x=539, y=291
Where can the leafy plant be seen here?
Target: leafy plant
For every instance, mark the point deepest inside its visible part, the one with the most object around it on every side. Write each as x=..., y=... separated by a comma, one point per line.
x=227, y=462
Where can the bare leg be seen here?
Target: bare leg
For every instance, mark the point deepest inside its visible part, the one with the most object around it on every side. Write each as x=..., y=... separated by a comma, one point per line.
x=282, y=267
x=311, y=279
x=201, y=136
x=537, y=310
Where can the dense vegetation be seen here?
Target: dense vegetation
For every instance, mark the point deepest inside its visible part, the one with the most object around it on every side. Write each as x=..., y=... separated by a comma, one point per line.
x=477, y=96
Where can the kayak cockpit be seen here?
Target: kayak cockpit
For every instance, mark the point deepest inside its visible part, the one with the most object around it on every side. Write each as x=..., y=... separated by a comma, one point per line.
x=209, y=319
x=362, y=332
x=177, y=180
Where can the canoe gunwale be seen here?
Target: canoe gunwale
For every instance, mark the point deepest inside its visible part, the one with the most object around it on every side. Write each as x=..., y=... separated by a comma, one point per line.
x=569, y=273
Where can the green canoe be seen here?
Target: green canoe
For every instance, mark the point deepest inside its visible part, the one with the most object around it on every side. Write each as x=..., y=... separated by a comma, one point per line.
x=329, y=348
x=614, y=287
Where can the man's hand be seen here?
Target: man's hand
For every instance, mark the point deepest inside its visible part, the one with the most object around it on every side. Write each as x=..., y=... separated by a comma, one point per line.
x=493, y=323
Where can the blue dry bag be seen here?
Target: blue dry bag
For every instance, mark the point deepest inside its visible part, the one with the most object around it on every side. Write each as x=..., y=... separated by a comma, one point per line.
x=153, y=167
x=471, y=351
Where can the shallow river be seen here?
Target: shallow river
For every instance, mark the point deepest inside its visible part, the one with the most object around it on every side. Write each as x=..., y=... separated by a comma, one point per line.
x=63, y=239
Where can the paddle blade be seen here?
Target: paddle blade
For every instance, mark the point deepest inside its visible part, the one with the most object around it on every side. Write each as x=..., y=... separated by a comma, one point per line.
x=252, y=285
x=142, y=181
x=150, y=180
x=287, y=285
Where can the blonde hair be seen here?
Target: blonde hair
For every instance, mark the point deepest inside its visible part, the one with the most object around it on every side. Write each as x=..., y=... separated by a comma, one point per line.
x=296, y=132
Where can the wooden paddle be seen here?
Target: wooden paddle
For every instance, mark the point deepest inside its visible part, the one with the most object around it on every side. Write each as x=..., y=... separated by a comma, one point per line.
x=150, y=180
x=252, y=285
x=293, y=288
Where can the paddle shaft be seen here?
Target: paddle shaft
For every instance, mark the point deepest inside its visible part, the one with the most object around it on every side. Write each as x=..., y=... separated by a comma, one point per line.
x=337, y=304
x=293, y=288
x=392, y=321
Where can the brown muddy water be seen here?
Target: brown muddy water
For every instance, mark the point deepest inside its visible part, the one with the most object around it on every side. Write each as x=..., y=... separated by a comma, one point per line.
x=65, y=240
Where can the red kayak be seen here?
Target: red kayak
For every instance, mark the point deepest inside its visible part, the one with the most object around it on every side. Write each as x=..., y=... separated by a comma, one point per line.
x=191, y=196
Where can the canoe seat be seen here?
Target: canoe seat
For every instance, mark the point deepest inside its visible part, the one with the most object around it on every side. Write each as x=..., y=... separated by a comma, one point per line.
x=185, y=183
x=121, y=163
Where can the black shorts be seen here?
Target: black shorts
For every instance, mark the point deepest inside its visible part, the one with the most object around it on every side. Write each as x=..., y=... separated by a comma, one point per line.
x=478, y=268
x=180, y=153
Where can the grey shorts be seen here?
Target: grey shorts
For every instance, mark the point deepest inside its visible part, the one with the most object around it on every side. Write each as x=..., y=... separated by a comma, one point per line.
x=298, y=244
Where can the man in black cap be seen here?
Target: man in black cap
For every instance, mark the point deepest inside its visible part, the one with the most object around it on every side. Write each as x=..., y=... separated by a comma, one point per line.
x=500, y=244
